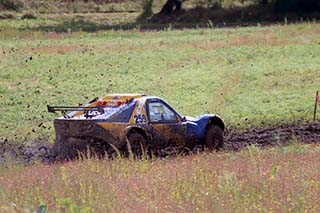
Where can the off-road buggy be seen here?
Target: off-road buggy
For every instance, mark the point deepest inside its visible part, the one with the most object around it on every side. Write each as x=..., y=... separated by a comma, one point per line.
x=142, y=123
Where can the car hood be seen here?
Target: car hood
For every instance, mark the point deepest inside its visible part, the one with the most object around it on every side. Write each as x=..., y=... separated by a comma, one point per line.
x=200, y=117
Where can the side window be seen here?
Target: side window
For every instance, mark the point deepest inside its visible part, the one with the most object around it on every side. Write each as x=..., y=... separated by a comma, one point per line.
x=158, y=112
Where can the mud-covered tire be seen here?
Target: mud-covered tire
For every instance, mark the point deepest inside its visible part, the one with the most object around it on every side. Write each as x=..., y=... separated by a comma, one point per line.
x=213, y=139
x=138, y=144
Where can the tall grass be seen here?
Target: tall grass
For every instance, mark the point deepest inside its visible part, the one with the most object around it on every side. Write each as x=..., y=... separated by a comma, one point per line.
x=250, y=180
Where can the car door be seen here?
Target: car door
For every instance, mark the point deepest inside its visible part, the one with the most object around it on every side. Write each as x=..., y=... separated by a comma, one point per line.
x=167, y=125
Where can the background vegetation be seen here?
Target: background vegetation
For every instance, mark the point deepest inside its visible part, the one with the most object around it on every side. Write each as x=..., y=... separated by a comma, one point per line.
x=80, y=6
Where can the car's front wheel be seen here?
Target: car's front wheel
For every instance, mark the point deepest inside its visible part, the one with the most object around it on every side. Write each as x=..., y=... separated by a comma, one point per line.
x=213, y=137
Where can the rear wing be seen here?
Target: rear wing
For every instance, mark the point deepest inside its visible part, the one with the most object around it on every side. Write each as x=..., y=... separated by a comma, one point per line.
x=98, y=108
x=89, y=109
x=65, y=109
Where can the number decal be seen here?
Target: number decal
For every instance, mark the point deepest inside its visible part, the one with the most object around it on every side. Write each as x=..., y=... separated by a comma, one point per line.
x=138, y=119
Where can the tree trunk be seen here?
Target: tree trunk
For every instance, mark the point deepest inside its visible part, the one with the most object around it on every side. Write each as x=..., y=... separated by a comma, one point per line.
x=171, y=5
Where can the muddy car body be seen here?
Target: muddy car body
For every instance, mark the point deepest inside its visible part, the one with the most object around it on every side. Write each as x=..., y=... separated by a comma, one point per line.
x=143, y=121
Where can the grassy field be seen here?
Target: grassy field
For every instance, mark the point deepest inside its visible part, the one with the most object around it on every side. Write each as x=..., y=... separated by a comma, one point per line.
x=281, y=179
x=251, y=76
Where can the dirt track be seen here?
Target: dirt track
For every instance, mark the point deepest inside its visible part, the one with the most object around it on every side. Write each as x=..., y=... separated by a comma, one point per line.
x=284, y=134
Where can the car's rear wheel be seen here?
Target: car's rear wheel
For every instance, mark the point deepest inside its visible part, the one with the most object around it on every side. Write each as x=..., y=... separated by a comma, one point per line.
x=213, y=137
x=137, y=145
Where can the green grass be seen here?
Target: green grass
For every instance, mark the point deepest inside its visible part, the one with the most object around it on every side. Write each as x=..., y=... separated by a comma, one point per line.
x=250, y=76
x=281, y=179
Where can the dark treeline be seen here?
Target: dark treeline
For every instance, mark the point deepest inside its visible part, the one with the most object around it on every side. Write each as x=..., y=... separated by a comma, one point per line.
x=280, y=6
x=297, y=5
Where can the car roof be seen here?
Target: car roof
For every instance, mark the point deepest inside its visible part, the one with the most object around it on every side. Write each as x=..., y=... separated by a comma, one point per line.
x=122, y=96
x=127, y=96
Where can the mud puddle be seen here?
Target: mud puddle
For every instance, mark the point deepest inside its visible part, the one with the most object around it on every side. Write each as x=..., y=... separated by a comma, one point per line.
x=278, y=135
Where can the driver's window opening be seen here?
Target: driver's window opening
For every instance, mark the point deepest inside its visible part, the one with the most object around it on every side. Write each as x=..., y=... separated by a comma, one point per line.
x=159, y=112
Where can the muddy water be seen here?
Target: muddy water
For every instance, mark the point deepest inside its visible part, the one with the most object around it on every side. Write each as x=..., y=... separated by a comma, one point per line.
x=284, y=134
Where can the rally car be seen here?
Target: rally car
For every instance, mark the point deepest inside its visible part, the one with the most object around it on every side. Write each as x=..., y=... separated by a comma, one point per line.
x=132, y=122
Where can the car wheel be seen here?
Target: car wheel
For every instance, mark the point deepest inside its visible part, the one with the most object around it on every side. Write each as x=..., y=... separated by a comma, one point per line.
x=213, y=137
x=138, y=144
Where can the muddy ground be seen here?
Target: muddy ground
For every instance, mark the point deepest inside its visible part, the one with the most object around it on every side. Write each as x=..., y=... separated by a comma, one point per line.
x=234, y=140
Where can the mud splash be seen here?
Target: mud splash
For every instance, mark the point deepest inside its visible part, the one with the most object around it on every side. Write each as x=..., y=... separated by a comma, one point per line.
x=26, y=152
x=276, y=135
x=269, y=136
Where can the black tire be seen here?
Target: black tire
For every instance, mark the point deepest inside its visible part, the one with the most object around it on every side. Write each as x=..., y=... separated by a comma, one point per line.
x=138, y=145
x=213, y=139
